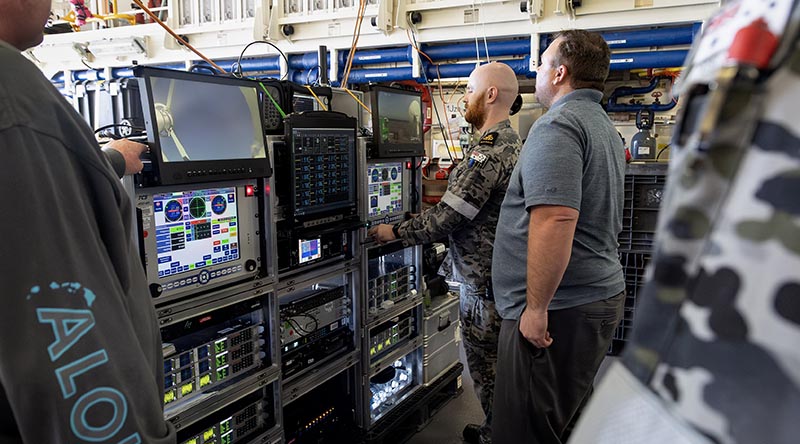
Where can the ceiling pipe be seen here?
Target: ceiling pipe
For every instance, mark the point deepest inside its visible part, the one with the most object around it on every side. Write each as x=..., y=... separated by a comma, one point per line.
x=644, y=38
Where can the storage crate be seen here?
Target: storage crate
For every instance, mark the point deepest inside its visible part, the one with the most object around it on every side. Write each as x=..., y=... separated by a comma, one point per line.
x=440, y=323
x=644, y=187
x=634, y=266
x=439, y=361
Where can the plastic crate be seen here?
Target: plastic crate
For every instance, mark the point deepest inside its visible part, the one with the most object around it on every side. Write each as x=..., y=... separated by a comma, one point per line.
x=644, y=188
x=634, y=265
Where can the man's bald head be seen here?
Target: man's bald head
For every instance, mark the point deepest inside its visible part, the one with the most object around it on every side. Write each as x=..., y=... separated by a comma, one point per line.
x=499, y=76
x=491, y=90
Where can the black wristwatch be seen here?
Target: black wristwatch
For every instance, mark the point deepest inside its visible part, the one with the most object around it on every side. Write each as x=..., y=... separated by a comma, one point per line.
x=396, y=233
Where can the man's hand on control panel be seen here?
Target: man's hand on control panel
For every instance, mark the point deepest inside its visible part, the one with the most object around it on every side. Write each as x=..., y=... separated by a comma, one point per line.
x=382, y=233
x=131, y=151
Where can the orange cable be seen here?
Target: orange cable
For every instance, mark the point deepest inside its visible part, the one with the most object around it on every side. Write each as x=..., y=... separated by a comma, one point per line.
x=441, y=93
x=362, y=8
x=176, y=36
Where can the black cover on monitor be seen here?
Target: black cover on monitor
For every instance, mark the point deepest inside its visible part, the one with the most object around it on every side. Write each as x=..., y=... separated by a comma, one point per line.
x=322, y=164
x=292, y=98
x=396, y=123
x=202, y=128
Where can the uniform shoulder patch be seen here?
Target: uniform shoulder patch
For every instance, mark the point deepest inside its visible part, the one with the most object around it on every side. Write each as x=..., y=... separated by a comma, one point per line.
x=489, y=139
x=477, y=158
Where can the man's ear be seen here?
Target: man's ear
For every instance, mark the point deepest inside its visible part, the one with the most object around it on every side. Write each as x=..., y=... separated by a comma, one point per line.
x=561, y=75
x=491, y=94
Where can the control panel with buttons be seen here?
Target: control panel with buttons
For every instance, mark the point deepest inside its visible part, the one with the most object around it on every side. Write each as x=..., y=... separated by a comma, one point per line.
x=198, y=238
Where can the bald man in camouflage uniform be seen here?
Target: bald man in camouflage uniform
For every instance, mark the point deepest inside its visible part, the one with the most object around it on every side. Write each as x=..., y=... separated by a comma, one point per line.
x=468, y=214
x=715, y=355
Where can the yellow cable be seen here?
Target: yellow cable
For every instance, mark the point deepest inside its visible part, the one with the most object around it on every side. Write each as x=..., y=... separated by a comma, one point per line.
x=324, y=108
x=359, y=102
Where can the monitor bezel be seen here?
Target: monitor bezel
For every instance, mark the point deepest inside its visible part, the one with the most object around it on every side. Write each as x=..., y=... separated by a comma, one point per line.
x=323, y=120
x=405, y=181
x=189, y=172
x=394, y=150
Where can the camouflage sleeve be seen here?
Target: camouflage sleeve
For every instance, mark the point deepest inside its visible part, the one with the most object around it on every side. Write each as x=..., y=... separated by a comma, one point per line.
x=473, y=185
x=470, y=187
x=435, y=223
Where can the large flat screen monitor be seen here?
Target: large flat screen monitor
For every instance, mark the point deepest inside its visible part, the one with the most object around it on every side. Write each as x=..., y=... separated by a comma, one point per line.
x=202, y=127
x=396, y=123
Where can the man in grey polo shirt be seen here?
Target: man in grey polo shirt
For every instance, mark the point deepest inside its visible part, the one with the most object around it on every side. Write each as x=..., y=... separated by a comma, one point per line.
x=557, y=278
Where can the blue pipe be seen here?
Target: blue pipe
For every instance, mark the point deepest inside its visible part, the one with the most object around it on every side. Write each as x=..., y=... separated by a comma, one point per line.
x=380, y=75
x=655, y=59
x=268, y=64
x=304, y=77
x=364, y=57
x=467, y=50
x=520, y=66
x=622, y=91
x=449, y=71
x=377, y=56
x=619, y=61
x=100, y=74
x=305, y=61
x=683, y=35
x=650, y=37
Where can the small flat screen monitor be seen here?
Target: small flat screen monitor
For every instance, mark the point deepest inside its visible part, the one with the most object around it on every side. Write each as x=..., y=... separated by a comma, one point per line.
x=309, y=250
x=397, y=123
x=195, y=229
x=385, y=189
x=203, y=127
x=302, y=103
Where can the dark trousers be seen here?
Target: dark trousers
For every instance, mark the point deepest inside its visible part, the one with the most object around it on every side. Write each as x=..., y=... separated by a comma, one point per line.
x=539, y=393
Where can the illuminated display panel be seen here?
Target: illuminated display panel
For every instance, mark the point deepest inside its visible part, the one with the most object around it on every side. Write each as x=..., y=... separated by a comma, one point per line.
x=195, y=229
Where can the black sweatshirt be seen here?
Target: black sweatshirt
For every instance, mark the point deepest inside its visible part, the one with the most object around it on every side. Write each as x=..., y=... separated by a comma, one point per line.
x=80, y=349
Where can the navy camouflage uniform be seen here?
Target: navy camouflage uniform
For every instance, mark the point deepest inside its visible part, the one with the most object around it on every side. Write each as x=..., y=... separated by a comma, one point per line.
x=715, y=355
x=468, y=214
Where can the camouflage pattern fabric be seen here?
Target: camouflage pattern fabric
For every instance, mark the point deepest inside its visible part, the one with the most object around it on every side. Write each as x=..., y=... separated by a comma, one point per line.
x=468, y=214
x=469, y=210
x=717, y=333
x=480, y=327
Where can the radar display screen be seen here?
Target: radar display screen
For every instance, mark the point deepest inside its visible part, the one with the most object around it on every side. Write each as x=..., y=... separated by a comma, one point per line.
x=324, y=169
x=195, y=229
x=199, y=121
x=385, y=189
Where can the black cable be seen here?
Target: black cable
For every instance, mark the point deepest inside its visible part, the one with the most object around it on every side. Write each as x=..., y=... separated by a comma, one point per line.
x=83, y=60
x=661, y=151
x=208, y=68
x=117, y=125
x=238, y=70
x=433, y=105
x=297, y=326
x=441, y=128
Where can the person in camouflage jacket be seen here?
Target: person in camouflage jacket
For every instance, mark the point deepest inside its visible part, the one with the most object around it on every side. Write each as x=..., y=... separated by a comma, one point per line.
x=468, y=214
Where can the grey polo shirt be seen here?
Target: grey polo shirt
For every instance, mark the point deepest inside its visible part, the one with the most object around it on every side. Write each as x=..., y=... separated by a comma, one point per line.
x=573, y=157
